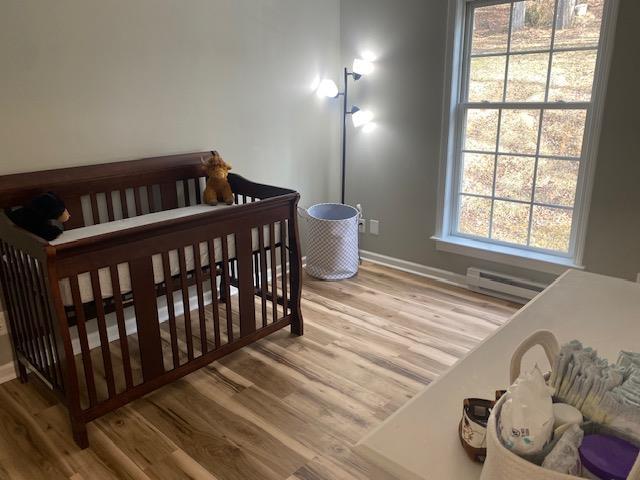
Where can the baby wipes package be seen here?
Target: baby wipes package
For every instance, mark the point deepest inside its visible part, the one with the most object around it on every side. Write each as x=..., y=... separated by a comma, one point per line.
x=526, y=419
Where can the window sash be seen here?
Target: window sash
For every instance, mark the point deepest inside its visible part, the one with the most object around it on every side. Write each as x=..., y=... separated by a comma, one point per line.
x=463, y=106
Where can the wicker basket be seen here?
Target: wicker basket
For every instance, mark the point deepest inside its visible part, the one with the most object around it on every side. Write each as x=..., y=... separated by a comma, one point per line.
x=501, y=463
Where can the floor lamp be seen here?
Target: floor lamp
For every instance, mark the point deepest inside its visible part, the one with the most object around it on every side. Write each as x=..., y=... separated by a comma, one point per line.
x=360, y=118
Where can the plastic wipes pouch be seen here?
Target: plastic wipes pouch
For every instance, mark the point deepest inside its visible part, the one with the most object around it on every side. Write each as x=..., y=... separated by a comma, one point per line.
x=565, y=458
x=526, y=419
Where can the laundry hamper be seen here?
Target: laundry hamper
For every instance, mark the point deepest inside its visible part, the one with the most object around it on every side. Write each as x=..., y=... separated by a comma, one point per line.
x=332, y=241
x=501, y=463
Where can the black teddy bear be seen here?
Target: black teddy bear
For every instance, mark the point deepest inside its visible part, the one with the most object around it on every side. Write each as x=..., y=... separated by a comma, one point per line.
x=43, y=216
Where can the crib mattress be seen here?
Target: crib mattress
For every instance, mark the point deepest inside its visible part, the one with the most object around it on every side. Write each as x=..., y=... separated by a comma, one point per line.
x=104, y=274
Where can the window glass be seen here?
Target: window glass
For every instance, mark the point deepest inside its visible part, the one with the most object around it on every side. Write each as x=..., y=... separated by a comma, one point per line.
x=490, y=29
x=474, y=217
x=532, y=65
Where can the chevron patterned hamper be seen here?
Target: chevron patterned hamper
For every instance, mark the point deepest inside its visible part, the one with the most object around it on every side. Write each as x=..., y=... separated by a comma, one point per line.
x=332, y=250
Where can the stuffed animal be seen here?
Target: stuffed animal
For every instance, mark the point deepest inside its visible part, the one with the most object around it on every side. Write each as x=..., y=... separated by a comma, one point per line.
x=44, y=216
x=218, y=188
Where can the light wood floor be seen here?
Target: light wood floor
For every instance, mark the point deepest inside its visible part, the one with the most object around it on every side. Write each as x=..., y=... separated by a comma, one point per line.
x=283, y=408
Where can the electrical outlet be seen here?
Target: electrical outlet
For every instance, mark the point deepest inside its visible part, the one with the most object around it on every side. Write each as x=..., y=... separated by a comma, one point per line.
x=374, y=227
x=362, y=225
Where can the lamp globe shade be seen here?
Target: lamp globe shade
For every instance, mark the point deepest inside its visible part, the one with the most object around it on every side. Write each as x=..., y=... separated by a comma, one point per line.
x=327, y=88
x=361, y=117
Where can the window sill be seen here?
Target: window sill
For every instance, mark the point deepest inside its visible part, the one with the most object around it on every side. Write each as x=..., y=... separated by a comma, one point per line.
x=516, y=257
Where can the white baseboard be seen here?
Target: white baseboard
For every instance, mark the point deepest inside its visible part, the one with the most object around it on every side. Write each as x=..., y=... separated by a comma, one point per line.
x=445, y=276
x=7, y=372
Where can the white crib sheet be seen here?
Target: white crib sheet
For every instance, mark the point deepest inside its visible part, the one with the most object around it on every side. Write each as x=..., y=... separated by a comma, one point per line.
x=104, y=274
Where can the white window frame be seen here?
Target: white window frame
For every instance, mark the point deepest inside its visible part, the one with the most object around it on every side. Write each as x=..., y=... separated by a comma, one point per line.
x=456, y=74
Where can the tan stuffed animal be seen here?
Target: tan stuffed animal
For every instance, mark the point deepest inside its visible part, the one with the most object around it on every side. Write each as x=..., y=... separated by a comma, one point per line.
x=218, y=187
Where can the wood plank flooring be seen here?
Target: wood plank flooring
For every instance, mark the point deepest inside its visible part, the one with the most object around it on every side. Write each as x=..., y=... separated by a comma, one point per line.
x=283, y=408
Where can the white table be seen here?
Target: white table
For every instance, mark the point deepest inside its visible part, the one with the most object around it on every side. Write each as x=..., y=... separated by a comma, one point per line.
x=420, y=440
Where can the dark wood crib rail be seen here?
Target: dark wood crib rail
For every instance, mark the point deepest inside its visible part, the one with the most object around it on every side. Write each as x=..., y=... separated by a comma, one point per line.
x=94, y=381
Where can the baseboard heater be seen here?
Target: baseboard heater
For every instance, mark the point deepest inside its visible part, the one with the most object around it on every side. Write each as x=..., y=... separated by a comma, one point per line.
x=503, y=286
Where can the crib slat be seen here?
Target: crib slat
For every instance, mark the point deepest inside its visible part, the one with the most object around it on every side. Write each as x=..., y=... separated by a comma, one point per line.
x=274, y=281
x=18, y=304
x=187, y=195
x=168, y=285
x=123, y=203
x=102, y=330
x=74, y=206
x=36, y=317
x=94, y=208
x=109, y=199
x=84, y=342
x=138, y=200
x=145, y=305
x=49, y=318
x=246, y=290
x=264, y=283
x=169, y=196
x=197, y=184
x=283, y=266
x=203, y=322
x=8, y=297
x=40, y=320
x=12, y=285
x=28, y=314
x=227, y=287
x=27, y=345
x=150, y=201
x=185, y=302
x=122, y=331
x=214, y=292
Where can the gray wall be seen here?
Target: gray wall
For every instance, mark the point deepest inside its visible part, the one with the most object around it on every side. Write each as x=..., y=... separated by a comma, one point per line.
x=92, y=81
x=89, y=81
x=393, y=171
x=613, y=238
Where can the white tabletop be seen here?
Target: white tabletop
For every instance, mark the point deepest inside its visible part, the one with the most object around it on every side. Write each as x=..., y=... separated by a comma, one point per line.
x=420, y=440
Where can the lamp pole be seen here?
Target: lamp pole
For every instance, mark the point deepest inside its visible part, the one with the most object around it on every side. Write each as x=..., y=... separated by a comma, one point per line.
x=344, y=134
x=345, y=112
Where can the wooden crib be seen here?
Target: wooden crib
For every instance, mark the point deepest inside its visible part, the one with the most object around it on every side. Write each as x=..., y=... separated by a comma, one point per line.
x=150, y=286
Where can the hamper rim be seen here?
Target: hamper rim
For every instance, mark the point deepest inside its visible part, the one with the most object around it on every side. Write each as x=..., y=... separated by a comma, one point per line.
x=328, y=219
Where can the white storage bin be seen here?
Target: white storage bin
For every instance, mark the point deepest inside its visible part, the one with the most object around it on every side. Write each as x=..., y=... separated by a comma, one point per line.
x=502, y=463
x=332, y=247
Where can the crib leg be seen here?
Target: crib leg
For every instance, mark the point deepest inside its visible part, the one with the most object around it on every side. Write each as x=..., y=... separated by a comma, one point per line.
x=297, y=324
x=23, y=373
x=80, y=433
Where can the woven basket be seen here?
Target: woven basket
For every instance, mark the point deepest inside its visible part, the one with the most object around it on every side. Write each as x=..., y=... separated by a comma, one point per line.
x=501, y=463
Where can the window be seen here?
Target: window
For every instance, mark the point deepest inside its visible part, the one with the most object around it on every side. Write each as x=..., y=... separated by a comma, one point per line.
x=521, y=122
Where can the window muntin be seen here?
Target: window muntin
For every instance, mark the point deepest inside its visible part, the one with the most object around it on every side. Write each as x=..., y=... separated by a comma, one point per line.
x=526, y=93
